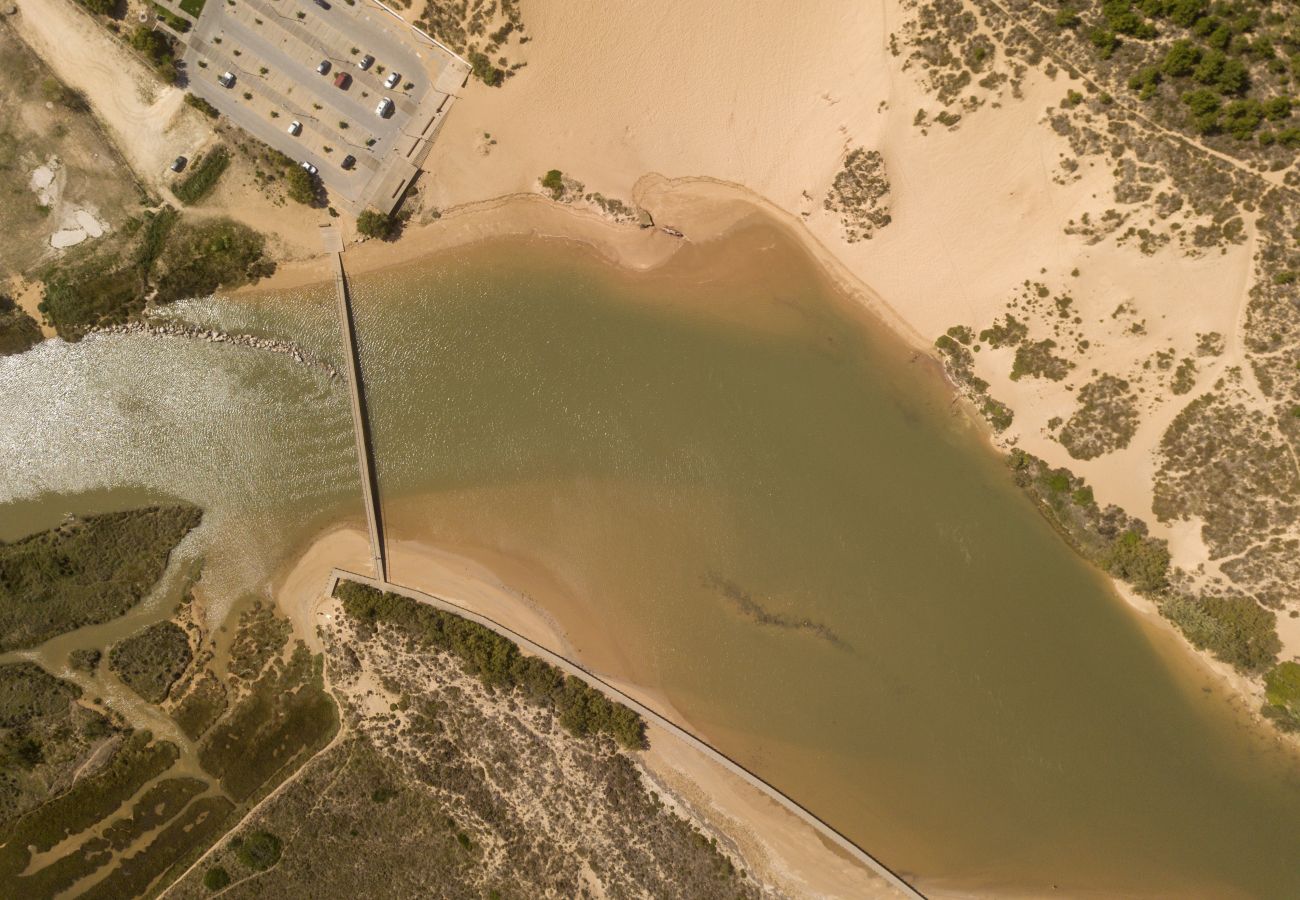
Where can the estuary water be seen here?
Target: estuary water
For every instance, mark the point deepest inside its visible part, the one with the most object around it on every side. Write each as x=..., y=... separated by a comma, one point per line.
x=730, y=489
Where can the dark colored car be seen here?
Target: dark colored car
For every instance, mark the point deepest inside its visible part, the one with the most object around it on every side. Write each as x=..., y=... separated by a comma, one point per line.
x=323, y=68
x=322, y=4
x=179, y=163
x=349, y=161
x=227, y=80
x=365, y=62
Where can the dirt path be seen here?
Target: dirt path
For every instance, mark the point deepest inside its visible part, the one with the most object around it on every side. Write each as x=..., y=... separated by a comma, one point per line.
x=146, y=119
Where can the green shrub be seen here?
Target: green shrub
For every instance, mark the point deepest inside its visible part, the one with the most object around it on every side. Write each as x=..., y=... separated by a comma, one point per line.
x=259, y=850
x=1236, y=630
x=18, y=331
x=301, y=186
x=203, y=176
x=1282, y=690
x=373, y=223
x=1141, y=561
x=553, y=181
x=202, y=105
x=216, y=878
x=150, y=661
x=84, y=572
x=497, y=662
x=203, y=256
x=484, y=71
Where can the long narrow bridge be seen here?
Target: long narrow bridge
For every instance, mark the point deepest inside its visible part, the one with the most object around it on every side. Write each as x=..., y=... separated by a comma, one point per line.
x=356, y=390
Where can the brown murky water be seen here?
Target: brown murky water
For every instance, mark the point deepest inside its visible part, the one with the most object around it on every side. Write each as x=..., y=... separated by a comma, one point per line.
x=742, y=498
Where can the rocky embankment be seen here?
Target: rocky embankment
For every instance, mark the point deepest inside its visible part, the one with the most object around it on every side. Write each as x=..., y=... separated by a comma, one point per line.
x=211, y=336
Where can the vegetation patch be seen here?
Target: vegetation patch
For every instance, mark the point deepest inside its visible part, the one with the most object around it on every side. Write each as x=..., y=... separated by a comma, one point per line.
x=284, y=718
x=150, y=661
x=18, y=331
x=203, y=176
x=201, y=706
x=860, y=195
x=202, y=105
x=1035, y=358
x=85, y=572
x=553, y=181
x=259, y=850
x=373, y=223
x=497, y=662
x=1104, y=421
x=201, y=823
x=45, y=736
x=83, y=292
x=1236, y=630
x=959, y=364
x=203, y=256
x=1282, y=692
x=261, y=637
x=89, y=801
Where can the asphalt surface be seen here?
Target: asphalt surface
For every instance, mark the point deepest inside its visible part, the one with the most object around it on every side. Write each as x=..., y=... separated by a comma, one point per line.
x=248, y=36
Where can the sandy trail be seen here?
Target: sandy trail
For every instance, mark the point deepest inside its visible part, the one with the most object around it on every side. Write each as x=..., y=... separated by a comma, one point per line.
x=147, y=120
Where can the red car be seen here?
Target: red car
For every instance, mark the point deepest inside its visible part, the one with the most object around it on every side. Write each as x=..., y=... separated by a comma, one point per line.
x=342, y=80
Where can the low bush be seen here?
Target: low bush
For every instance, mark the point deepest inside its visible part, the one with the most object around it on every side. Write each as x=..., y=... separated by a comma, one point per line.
x=150, y=661
x=202, y=106
x=18, y=331
x=373, y=223
x=259, y=850
x=497, y=662
x=203, y=176
x=84, y=572
x=1236, y=630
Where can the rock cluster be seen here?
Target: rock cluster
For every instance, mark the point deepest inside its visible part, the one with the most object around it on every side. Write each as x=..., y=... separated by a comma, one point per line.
x=195, y=333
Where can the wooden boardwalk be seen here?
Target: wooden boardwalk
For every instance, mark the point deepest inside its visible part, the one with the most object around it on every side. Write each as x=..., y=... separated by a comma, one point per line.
x=360, y=426
x=534, y=649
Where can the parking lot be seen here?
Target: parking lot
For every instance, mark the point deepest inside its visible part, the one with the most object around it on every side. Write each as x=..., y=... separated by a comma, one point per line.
x=274, y=49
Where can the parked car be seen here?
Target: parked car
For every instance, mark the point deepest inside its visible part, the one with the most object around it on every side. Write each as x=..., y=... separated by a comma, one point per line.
x=391, y=81
x=178, y=163
x=365, y=62
x=227, y=80
x=383, y=108
x=349, y=161
x=322, y=4
x=295, y=128
x=311, y=170
x=342, y=80
x=323, y=68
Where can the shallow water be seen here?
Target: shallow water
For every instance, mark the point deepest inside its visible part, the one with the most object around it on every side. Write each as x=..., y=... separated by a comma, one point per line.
x=780, y=527
x=743, y=499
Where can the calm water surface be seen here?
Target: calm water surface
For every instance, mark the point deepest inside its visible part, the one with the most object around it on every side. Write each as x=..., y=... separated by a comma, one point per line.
x=741, y=498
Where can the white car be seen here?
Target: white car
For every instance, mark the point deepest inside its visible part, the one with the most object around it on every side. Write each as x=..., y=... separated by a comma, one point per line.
x=311, y=170
x=295, y=128
x=384, y=107
x=227, y=80
x=391, y=81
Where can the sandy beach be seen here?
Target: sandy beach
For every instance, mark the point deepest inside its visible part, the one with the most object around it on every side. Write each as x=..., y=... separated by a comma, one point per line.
x=788, y=852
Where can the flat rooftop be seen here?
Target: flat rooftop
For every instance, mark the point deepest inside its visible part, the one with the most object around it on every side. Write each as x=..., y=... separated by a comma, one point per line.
x=273, y=48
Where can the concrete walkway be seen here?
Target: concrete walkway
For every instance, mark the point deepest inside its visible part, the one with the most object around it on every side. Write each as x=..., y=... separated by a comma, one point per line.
x=360, y=427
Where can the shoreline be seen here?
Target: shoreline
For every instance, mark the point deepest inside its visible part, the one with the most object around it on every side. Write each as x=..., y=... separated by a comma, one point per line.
x=770, y=838
x=707, y=210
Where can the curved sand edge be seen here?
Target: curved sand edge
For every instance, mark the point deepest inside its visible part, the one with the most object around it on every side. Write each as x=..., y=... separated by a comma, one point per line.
x=783, y=849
